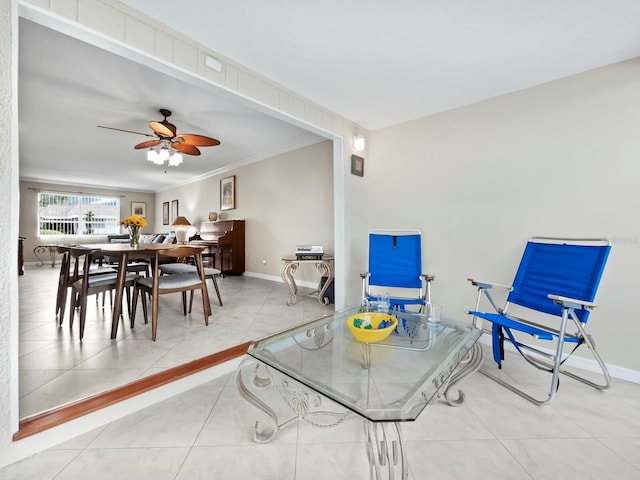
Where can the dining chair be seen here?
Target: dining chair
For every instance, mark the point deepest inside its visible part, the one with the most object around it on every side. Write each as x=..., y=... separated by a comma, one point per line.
x=184, y=267
x=139, y=268
x=84, y=284
x=158, y=284
x=65, y=278
x=63, y=282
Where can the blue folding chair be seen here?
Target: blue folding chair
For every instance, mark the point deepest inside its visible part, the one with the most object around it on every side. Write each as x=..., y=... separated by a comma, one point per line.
x=556, y=281
x=395, y=262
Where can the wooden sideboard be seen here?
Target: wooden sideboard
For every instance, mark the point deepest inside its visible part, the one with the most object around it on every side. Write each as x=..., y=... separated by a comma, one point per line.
x=225, y=242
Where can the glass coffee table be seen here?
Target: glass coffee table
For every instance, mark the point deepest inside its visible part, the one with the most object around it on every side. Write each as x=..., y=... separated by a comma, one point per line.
x=322, y=375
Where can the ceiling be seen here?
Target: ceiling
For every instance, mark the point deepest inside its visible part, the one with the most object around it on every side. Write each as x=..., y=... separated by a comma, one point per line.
x=67, y=88
x=375, y=62
x=380, y=62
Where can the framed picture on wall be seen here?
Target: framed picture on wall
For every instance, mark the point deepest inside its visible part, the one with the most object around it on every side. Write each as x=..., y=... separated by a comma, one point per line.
x=174, y=210
x=228, y=193
x=357, y=165
x=139, y=209
x=165, y=213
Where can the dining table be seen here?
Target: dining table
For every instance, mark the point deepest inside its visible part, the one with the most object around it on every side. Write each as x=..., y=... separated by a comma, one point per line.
x=125, y=252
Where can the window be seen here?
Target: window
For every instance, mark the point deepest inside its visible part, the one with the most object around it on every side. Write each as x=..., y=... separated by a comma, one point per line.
x=69, y=214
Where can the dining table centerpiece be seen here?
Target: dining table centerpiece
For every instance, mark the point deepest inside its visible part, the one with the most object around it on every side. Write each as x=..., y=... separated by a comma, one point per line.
x=134, y=223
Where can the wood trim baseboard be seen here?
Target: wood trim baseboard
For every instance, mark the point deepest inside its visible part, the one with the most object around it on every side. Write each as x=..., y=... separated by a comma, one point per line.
x=57, y=416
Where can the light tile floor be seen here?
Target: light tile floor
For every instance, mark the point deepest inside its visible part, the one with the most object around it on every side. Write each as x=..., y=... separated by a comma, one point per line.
x=56, y=368
x=206, y=433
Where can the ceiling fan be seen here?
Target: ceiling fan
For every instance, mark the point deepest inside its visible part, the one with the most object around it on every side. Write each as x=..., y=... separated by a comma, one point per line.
x=166, y=137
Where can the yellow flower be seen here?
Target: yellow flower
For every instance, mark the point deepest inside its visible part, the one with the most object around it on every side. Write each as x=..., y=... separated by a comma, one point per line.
x=134, y=221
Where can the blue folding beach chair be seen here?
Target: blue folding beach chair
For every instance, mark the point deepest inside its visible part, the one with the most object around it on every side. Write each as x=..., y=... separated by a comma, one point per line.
x=395, y=269
x=557, y=282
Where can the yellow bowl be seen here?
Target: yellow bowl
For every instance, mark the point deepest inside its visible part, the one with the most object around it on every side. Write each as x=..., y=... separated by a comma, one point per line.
x=374, y=334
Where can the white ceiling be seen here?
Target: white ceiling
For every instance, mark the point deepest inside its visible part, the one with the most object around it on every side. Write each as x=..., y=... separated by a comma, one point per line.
x=375, y=62
x=67, y=88
x=383, y=62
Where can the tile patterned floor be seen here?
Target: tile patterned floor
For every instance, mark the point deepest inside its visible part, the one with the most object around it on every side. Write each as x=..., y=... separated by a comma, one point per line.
x=206, y=433
x=56, y=368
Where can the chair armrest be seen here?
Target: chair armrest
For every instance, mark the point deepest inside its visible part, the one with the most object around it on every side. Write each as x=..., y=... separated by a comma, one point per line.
x=488, y=285
x=364, y=275
x=427, y=278
x=571, y=302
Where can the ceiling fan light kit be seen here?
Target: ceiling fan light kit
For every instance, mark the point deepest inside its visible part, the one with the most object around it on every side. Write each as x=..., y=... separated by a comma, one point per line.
x=169, y=147
x=164, y=154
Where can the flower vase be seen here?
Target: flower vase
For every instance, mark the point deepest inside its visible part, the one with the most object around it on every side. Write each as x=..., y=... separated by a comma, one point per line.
x=134, y=237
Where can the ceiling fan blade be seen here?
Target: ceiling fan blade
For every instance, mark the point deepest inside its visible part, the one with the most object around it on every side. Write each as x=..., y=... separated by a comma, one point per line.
x=127, y=131
x=185, y=148
x=199, y=140
x=147, y=144
x=163, y=128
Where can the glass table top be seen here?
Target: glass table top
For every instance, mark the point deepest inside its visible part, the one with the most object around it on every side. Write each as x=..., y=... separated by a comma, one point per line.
x=392, y=380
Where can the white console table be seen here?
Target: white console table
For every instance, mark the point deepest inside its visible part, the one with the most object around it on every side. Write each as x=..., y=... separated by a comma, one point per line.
x=290, y=266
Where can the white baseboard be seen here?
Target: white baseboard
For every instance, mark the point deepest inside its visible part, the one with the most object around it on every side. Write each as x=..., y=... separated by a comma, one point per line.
x=278, y=279
x=587, y=364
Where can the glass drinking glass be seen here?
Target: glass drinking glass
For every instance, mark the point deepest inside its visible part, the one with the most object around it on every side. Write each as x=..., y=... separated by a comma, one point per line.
x=383, y=303
x=434, y=313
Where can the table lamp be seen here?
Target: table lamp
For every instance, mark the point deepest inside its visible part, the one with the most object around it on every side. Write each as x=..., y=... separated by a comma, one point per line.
x=181, y=224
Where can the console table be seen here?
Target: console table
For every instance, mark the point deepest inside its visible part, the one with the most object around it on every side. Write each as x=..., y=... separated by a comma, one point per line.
x=323, y=375
x=51, y=250
x=290, y=266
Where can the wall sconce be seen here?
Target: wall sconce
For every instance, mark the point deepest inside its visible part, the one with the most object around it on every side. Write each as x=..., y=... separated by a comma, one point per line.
x=181, y=224
x=358, y=143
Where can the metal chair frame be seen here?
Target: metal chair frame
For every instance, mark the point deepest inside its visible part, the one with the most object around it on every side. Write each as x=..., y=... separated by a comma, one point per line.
x=572, y=312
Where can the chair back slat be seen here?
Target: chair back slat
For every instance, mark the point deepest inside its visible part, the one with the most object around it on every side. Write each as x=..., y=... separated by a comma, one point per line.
x=395, y=260
x=568, y=270
x=181, y=251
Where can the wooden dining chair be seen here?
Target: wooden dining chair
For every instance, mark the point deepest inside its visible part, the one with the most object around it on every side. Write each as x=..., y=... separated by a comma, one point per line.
x=66, y=275
x=84, y=284
x=158, y=284
x=63, y=282
x=187, y=267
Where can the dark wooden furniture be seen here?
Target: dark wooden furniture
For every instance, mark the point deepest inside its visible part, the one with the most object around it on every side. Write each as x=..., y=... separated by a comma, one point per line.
x=84, y=284
x=225, y=244
x=124, y=251
x=21, y=255
x=66, y=278
x=179, y=267
x=163, y=284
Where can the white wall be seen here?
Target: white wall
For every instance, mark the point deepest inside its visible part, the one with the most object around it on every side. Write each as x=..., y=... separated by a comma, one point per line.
x=285, y=200
x=559, y=159
x=9, y=230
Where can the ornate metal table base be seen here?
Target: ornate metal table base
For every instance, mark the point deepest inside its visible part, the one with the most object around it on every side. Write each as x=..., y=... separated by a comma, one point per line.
x=385, y=450
x=52, y=250
x=289, y=268
x=384, y=444
x=468, y=365
x=303, y=402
